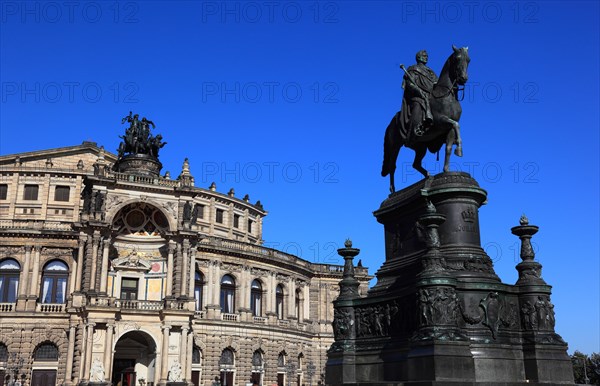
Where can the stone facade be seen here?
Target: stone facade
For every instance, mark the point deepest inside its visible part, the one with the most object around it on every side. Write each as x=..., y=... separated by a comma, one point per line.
x=137, y=279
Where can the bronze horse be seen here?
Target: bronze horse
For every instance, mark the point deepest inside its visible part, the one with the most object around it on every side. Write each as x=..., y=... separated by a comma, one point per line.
x=446, y=111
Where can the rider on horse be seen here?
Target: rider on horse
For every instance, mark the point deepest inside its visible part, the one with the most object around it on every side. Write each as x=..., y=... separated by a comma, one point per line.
x=416, y=117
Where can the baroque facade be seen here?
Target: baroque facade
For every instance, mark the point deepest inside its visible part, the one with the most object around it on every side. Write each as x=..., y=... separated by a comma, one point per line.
x=110, y=272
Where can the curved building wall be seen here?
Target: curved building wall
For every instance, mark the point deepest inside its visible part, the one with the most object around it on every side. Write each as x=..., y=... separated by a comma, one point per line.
x=110, y=277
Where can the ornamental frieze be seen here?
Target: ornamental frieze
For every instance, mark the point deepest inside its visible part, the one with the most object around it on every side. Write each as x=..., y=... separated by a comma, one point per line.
x=10, y=251
x=57, y=252
x=114, y=200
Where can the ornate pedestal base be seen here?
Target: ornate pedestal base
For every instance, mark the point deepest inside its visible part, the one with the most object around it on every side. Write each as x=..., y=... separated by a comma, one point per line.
x=139, y=164
x=438, y=314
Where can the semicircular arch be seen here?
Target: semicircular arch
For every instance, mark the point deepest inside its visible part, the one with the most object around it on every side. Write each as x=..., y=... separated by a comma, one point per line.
x=112, y=214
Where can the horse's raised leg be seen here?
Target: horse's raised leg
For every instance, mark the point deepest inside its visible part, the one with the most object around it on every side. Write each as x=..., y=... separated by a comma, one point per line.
x=419, y=155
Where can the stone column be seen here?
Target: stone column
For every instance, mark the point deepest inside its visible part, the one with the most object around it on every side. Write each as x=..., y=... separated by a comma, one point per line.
x=104, y=266
x=271, y=286
x=170, y=268
x=33, y=284
x=164, y=360
x=178, y=272
x=94, y=262
x=188, y=365
x=211, y=217
x=210, y=285
x=306, y=302
x=292, y=298
x=214, y=286
x=25, y=272
x=89, y=344
x=24, y=280
x=72, y=276
x=192, y=272
x=243, y=292
x=84, y=345
x=183, y=351
x=70, y=353
x=108, y=349
x=184, y=267
x=217, y=289
x=80, y=252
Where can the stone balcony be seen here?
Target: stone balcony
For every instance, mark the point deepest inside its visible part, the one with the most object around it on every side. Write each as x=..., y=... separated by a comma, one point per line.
x=109, y=303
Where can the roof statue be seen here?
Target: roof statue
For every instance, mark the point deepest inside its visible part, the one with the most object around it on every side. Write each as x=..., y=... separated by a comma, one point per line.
x=430, y=112
x=138, y=139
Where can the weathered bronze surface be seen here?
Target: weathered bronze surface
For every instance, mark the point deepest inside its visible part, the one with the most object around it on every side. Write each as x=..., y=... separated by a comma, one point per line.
x=138, y=139
x=430, y=113
x=439, y=314
x=138, y=152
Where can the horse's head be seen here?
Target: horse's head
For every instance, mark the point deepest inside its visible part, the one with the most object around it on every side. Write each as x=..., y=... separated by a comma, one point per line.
x=459, y=63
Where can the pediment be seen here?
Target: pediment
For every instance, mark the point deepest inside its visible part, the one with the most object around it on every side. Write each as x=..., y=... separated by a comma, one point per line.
x=131, y=263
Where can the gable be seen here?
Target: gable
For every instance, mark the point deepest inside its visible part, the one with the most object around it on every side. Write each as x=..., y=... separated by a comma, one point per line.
x=80, y=157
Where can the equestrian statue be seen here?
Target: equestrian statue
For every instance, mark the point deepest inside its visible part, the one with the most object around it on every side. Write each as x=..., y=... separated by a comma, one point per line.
x=430, y=112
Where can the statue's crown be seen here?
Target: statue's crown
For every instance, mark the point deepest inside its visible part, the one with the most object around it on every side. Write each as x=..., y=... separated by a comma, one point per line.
x=468, y=215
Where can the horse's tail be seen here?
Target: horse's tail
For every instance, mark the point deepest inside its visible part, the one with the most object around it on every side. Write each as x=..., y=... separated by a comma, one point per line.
x=392, y=142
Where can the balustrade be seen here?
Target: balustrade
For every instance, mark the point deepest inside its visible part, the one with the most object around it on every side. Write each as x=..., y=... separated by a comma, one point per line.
x=50, y=307
x=229, y=317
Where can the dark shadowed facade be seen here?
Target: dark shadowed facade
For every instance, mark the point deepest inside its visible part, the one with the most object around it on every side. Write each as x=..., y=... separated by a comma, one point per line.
x=439, y=314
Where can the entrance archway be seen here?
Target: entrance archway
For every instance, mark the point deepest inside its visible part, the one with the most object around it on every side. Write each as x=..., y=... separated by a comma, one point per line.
x=135, y=360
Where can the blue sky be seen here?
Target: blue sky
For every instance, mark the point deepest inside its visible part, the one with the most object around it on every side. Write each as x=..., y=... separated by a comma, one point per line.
x=288, y=101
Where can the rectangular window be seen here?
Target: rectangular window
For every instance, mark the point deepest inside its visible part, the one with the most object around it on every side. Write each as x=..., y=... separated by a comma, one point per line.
x=219, y=216
x=129, y=289
x=249, y=226
x=200, y=211
x=236, y=220
x=31, y=192
x=3, y=191
x=61, y=193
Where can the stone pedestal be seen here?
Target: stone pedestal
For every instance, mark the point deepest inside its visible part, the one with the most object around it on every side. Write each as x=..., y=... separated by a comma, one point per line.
x=139, y=164
x=439, y=314
x=179, y=383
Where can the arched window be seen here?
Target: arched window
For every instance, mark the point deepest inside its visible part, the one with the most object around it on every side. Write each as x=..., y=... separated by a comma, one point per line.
x=3, y=354
x=196, y=366
x=46, y=352
x=9, y=280
x=257, y=368
x=256, y=298
x=196, y=356
x=279, y=301
x=227, y=366
x=54, y=282
x=198, y=284
x=227, y=358
x=257, y=359
x=281, y=361
x=228, y=294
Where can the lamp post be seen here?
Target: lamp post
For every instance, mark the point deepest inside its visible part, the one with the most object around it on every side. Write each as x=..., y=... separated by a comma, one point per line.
x=290, y=370
x=585, y=377
x=310, y=371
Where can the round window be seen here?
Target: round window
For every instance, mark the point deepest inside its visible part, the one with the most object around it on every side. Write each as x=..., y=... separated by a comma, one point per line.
x=135, y=218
